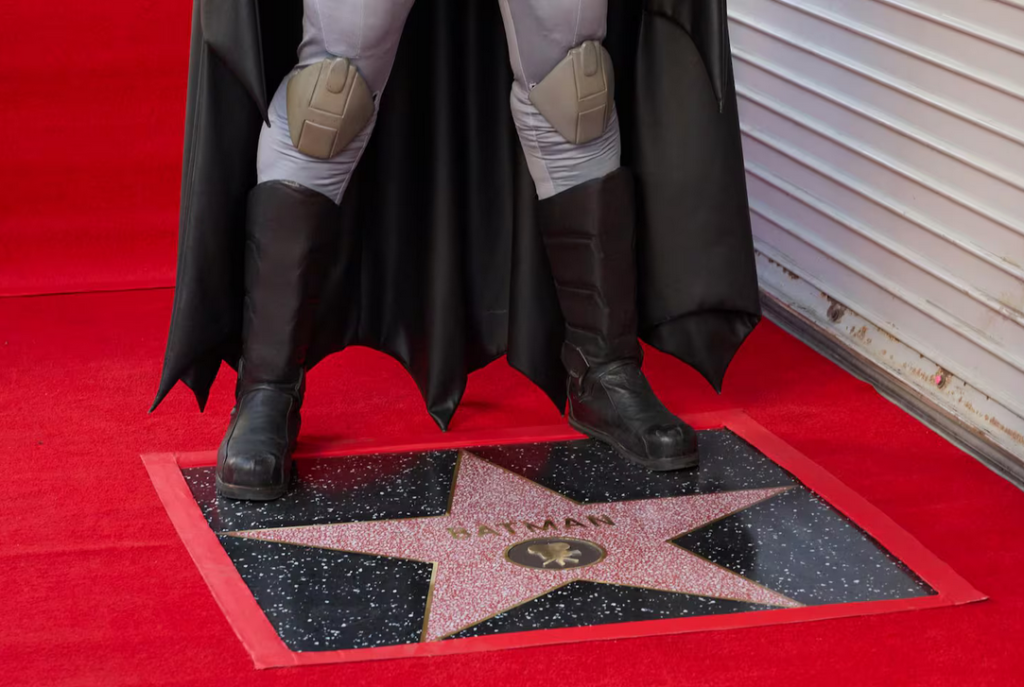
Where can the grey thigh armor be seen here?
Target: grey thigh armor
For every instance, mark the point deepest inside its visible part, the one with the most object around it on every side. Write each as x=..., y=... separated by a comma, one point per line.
x=578, y=96
x=329, y=103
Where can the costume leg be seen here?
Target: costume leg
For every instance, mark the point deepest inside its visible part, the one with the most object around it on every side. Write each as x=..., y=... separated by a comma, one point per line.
x=367, y=32
x=321, y=118
x=540, y=35
x=563, y=106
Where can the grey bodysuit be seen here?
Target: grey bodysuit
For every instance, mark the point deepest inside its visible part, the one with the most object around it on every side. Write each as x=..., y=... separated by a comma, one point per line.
x=540, y=34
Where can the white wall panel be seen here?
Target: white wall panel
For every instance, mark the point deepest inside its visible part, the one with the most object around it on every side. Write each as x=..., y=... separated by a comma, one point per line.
x=884, y=142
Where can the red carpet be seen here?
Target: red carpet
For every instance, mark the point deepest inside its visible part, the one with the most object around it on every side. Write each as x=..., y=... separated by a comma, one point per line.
x=98, y=589
x=91, y=129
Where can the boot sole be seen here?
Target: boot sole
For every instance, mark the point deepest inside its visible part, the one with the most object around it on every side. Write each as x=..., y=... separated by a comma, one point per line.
x=237, y=492
x=670, y=464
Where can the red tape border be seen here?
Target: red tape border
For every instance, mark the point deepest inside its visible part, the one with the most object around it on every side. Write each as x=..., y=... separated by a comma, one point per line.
x=269, y=651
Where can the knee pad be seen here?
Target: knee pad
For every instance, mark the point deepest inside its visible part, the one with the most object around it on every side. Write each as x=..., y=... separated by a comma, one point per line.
x=329, y=103
x=577, y=97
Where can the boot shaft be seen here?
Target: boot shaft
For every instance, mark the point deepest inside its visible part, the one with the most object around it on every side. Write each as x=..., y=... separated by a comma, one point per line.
x=290, y=234
x=589, y=232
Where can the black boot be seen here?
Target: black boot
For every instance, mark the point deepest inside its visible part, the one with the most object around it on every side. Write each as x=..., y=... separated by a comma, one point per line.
x=289, y=236
x=589, y=234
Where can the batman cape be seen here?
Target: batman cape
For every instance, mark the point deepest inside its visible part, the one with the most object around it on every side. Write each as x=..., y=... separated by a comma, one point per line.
x=440, y=264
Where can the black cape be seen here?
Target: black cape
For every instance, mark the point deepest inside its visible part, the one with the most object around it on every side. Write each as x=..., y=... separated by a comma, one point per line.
x=441, y=264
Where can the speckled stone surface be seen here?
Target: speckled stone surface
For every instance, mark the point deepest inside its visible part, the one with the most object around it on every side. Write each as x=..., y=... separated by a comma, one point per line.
x=333, y=490
x=350, y=558
x=319, y=600
x=589, y=472
x=494, y=510
x=591, y=603
x=798, y=545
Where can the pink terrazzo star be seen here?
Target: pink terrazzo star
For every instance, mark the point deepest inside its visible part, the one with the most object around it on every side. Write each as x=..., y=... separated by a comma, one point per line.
x=493, y=509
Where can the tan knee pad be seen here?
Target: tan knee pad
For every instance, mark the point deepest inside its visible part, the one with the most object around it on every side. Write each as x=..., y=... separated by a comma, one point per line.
x=578, y=96
x=329, y=103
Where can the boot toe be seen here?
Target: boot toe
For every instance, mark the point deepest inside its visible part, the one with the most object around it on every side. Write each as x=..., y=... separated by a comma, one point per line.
x=672, y=444
x=253, y=470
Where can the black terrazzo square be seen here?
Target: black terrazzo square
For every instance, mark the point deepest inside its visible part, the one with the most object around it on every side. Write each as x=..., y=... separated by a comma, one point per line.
x=752, y=537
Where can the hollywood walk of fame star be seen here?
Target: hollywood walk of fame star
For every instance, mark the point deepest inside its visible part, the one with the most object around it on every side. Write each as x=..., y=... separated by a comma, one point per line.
x=492, y=510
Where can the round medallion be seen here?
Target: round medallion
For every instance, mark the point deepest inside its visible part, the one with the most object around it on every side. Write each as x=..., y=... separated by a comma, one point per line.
x=555, y=553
